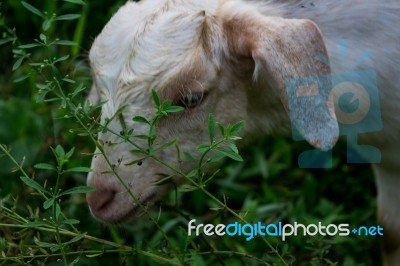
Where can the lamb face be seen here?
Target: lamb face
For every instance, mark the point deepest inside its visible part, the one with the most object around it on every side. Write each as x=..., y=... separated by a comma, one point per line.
x=177, y=54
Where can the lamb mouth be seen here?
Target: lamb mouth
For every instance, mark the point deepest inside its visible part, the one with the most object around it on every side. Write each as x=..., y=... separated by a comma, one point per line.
x=106, y=215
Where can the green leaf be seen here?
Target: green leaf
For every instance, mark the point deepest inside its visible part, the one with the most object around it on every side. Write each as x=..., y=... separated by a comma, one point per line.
x=68, y=17
x=18, y=63
x=48, y=203
x=79, y=170
x=75, y=261
x=189, y=156
x=72, y=82
x=144, y=137
x=45, y=166
x=140, y=119
x=59, y=150
x=58, y=211
x=216, y=158
x=191, y=173
x=43, y=37
x=211, y=127
x=70, y=153
x=212, y=176
x=174, y=109
x=32, y=9
x=77, y=190
x=52, y=100
x=43, y=86
x=61, y=59
x=63, y=102
x=167, y=103
x=71, y=221
x=78, y=89
x=203, y=148
x=230, y=154
x=33, y=184
x=6, y=40
x=138, y=152
x=155, y=98
x=152, y=134
x=163, y=181
x=45, y=244
x=65, y=42
x=24, y=77
x=233, y=147
x=80, y=2
x=35, y=64
x=55, y=248
x=47, y=24
x=41, y=96
x=18, y=51
x=29, y=45
x=75, y=239
x=94, y=255
x=236, y=127
x=35, y=224
x=221, y=129
x=166, y=145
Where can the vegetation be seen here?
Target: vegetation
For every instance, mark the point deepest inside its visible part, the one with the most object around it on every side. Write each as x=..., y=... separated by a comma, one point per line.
x=48, y=132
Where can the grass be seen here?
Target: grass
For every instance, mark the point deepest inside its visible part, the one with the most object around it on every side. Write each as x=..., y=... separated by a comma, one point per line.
x=49, y=134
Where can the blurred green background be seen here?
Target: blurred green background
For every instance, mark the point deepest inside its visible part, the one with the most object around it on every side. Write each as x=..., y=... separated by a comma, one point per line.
x=268, y=185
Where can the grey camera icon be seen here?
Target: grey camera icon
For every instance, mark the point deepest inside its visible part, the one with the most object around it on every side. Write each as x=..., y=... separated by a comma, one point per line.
x=356, y=99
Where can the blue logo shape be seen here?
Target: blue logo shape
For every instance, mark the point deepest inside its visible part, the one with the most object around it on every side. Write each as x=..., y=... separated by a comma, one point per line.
x=348, y=102
x=356, y=99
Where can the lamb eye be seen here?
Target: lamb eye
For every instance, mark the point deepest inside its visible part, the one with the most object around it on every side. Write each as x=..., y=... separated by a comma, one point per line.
x=191, y=100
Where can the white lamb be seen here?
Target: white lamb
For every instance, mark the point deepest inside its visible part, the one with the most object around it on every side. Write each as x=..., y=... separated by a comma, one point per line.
x=237, y=59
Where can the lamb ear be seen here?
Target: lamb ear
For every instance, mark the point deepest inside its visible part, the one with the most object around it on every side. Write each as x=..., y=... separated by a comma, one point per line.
x=285, y=52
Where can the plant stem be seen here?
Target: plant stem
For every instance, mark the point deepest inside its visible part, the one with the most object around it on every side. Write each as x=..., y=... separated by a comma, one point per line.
x=95, y=239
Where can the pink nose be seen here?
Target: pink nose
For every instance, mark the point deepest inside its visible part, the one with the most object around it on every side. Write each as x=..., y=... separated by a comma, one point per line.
x=99, y=200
